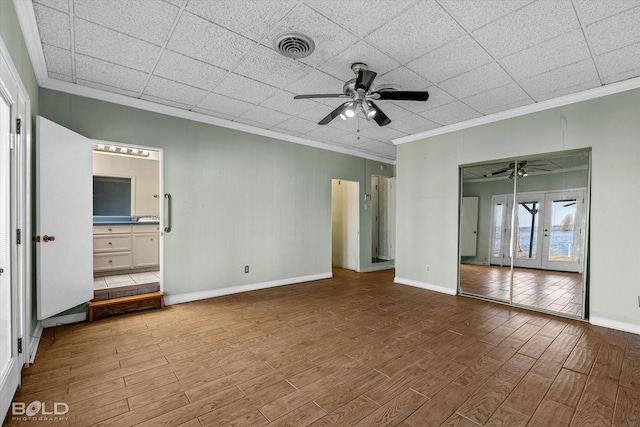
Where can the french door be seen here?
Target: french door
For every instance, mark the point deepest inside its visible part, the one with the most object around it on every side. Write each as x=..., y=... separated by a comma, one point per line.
x=546, y=233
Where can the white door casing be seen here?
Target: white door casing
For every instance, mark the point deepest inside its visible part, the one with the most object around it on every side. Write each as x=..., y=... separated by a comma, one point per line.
x=64, y=170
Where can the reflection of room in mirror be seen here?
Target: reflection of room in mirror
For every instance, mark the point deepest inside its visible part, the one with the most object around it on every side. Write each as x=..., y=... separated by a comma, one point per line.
x=531, y=215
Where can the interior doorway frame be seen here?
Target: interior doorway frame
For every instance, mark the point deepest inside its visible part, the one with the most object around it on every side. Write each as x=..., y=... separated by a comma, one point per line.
x=353, y=214
x=20, y=219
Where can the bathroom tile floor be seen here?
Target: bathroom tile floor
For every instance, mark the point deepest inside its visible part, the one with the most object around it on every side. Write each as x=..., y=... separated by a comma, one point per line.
x=122, y=280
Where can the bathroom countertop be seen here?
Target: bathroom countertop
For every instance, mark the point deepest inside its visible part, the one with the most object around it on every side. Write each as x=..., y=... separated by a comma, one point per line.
x=114, y=220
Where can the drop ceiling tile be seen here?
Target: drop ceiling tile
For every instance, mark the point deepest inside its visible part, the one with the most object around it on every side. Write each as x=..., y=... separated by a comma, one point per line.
x=498, y=99
x=223, y=104
x=60, y=77
x=180, y=68
x=380, y=148
x=620, y=64
x=316, y=82
x=283, y=101
x=53, y=26
x=561, y=80
x=244, y=89
x=370, y=15
x=473, y=14
x=148, y=20
x=266, y=65
x=592, y=11
x=413, y=124
x=174, y=91
x=297, y=125
x=615, y=32
x=61, y=5
x=106, y=73
x=340, y=65
x=326, y=133
x=111, y=46
x=528, y=26
x=251, y=18
x=403, y=77
x=385, y=133
x=329, y=38
x=352, y=140
x=451, y=113
x=58, y=60
x=107, y=88
x=563, y=50
x=476, y=81
x=419, y=30
x=167, y=102
x=208, y=42
x=451, y=60
x=265, y=116
x=214, y=114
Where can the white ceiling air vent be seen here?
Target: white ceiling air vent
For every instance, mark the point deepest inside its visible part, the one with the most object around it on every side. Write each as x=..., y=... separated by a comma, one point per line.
x=294, y=45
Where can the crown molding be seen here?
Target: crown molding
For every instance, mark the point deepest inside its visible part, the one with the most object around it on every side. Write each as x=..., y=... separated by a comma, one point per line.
x=572, y=98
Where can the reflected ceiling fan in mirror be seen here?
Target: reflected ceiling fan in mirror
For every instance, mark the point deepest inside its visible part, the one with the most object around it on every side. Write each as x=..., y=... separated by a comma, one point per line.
x=362, y=92
x=522, y=172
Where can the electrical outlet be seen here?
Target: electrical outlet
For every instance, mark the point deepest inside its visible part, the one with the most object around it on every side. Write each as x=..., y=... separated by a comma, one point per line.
x=428, y=269
x=246, y=268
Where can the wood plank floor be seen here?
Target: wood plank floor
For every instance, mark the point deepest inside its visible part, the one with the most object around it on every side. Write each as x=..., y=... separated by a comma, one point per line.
x=356, y=350
x=549, y=290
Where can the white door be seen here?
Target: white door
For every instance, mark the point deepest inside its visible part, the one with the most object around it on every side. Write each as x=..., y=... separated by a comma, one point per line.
x=469, y=227
x=9, y=360
x=64, y=254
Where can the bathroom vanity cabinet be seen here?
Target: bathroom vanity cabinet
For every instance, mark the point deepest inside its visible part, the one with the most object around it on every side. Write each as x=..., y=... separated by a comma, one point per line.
x=125, y=248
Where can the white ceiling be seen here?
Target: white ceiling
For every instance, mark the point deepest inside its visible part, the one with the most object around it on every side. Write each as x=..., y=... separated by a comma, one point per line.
x=216, y=57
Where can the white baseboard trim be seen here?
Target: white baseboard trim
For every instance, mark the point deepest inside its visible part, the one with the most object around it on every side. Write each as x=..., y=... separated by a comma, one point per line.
x=614, y=324
x=34, y=341
x=427, y=286
x=212, y=293
x=376, y=268
x=63, y=320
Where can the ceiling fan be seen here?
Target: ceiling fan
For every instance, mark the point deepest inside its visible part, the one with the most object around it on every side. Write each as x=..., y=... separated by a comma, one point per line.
x=522, y=172
x=362, y=93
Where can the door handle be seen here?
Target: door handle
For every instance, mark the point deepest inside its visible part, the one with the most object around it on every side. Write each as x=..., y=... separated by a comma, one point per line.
x=46, y=238
x=167, y=197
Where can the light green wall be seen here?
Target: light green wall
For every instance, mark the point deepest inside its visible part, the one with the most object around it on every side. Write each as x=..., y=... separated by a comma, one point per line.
x=485, y=190
x=427, y=186
x=11, y=35
x=238, y=198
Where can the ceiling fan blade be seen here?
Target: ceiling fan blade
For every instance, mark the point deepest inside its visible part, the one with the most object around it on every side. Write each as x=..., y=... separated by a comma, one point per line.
x=380, y=118
x=489, y=175
x=332, y=115
x=321, y=95
x=402, y=95
x=364, y=79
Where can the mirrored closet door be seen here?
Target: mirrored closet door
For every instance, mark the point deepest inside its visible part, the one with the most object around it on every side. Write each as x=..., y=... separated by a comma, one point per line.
x=529, y=226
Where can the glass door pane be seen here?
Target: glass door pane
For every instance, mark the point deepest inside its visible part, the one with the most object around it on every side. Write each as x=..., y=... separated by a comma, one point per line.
x=526, y=232
x=563, y=231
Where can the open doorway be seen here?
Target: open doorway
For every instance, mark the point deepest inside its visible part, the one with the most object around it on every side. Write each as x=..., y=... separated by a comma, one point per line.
x=345, y=224
x=126, y=220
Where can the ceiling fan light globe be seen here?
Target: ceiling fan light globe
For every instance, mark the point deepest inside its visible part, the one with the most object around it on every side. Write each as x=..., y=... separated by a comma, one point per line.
x=349, y=112
x=342, y=116
x=371, y=114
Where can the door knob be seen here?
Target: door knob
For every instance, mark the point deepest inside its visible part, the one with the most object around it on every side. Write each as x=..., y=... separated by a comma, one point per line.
x=46, y=238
